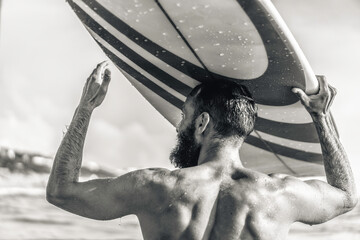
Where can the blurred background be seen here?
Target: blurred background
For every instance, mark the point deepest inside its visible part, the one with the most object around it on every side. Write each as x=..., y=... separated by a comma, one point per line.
x=46, y=56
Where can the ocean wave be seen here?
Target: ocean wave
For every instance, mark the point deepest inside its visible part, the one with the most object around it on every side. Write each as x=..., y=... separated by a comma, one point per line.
x=20, y=191
x=46, y=221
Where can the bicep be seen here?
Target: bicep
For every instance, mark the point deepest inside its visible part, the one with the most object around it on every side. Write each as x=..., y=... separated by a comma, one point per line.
x=105, y=199
x=315, y=201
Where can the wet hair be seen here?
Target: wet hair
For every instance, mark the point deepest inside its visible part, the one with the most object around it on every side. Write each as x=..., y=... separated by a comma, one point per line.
x=229, y=104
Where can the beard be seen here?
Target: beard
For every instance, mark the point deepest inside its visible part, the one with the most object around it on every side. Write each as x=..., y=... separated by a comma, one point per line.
x=186, y=152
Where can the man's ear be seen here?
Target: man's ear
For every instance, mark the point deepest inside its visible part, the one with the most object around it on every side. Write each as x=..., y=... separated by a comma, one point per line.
x=202, y=122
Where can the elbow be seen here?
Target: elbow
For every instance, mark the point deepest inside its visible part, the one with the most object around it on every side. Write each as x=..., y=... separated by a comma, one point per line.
x=351, y=202
x=55, y=196
x=51, y=197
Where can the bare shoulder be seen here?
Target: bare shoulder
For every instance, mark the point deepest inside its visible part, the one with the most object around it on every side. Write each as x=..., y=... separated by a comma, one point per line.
x=287, y=184
x=155, y=183
x=149, y=178
x=294, y=185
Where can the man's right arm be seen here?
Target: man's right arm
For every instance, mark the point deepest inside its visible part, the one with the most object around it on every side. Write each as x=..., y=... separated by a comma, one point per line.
x=316, y=201
x=102, y=199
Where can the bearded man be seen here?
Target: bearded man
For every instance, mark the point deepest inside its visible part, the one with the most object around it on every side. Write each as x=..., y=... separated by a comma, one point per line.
x=212, y=195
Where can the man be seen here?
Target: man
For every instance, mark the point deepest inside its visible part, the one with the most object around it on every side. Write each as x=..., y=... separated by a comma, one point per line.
x=211, y=196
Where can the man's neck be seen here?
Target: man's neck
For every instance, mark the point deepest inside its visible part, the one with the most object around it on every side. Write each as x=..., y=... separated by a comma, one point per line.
x=221, y=153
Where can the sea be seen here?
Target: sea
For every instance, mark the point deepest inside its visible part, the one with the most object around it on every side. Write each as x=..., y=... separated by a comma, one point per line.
x=25, y=214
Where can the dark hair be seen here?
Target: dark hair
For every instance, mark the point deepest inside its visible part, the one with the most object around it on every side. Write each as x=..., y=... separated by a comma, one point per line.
x=229, y=104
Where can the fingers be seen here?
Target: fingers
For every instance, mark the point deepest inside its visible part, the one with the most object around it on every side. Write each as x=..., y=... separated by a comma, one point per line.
x=106, y=81
x=301, y=95
x=323, y=85
x=333, y=93
x=102, y=88
x=100, y=70
x=326, y=90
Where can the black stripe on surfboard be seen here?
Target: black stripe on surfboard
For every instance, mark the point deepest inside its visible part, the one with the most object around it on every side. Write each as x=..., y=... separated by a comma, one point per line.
x=173, y=60
x=147, y=66
x=142, y=79
x=304, y=132
x=285, y=151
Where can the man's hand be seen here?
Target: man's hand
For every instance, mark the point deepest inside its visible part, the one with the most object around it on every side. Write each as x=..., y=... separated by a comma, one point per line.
x=320, y=103
x=96, y=86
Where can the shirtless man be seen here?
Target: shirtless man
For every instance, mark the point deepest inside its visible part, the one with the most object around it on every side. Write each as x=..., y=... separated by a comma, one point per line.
x=211, y=196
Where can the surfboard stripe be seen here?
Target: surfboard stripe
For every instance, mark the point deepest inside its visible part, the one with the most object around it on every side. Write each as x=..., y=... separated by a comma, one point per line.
x=136, y=67
x=142, y=79
x=135, y=47
x=300, y=132
x=299, y=145
x=286, y=114
x=175, y=61
x=129, y=53
x=285, y=151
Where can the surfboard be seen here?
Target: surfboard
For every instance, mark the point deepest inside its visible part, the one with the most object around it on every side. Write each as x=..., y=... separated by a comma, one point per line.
x=166, y=48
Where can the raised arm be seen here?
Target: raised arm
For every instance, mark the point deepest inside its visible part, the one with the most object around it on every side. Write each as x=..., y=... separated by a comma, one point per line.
x=101, y=198
x=317, y=201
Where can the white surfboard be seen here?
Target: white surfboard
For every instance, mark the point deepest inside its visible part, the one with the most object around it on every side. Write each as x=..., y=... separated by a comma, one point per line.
x=165, y=48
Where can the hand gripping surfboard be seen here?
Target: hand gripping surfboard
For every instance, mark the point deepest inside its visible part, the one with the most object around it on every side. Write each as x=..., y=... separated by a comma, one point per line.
x=165, y=48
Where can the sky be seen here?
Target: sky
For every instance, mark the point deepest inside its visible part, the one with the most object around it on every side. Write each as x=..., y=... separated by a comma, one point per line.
x=46, y=55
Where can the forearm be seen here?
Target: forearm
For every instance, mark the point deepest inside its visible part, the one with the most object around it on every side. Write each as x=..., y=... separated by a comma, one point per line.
x=67, y=162
x=336, y=163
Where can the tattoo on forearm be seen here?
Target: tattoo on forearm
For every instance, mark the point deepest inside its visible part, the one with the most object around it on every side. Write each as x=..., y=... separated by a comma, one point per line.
x=338, y=171
x=69, y=156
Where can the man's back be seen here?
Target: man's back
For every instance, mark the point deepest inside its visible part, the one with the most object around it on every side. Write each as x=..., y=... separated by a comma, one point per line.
x=212, y=196
x=202, y=203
